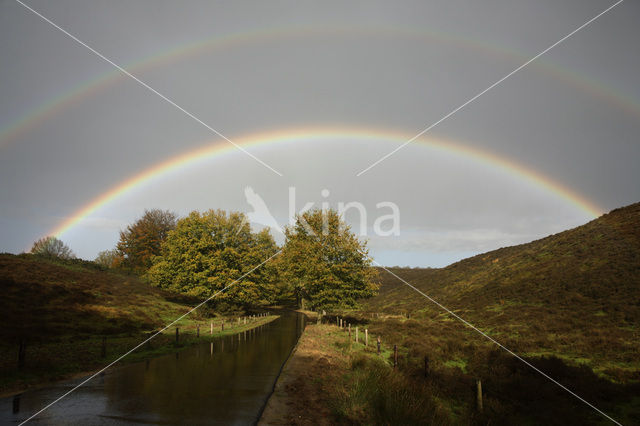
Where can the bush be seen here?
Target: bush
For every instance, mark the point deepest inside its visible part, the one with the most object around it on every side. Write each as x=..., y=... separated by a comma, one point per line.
x=376, y=394
x=53, y=248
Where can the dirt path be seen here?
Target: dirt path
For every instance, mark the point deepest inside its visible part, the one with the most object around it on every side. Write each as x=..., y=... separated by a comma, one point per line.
x=300, y=395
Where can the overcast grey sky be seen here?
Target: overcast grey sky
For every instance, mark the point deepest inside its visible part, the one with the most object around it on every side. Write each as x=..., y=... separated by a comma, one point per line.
x=384, y=68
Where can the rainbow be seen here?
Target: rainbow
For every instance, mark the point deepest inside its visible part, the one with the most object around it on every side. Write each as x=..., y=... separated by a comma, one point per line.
x=212, y=150
x=94, y=86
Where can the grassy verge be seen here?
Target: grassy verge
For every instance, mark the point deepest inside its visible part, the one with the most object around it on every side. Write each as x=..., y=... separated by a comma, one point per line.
x=513, y=392
x=371, y=391
x=331, y=379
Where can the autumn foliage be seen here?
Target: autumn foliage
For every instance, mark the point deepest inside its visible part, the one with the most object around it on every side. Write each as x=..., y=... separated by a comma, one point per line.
x=142, y=240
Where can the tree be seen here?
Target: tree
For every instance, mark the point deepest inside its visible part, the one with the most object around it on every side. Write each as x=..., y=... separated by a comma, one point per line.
x=209, y=251
x=52, y=247
x=109, y=258
x=325, y=263
x=141, y=241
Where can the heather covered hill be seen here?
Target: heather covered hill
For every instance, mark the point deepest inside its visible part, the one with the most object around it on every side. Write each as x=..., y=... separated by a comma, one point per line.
x=45, y=298
x=575, y=294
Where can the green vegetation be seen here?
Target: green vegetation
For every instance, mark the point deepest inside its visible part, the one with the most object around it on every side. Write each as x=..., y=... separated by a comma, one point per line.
x=207, y=252
x=325, y=263
x=373, y=393
x=322, y=261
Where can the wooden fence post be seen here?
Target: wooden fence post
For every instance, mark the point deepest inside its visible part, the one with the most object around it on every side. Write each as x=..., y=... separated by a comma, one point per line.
x=177, y=334
x=378, y=345
x=426, y=366
x=16, y=404
x=366, y=337
x=211, y=328
x=356, y=334
x=21, y=354
x=479, y=394
x=222, y=325
x=198, y=331
x=395, y=356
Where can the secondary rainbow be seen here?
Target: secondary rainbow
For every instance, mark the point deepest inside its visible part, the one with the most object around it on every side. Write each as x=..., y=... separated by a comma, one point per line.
x=94, y=86
x=211, y=151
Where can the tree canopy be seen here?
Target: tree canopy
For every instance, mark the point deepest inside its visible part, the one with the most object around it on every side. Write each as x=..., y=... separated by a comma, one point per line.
x=109, y=258
x=207, y=252
x=52, y=247
x=325, y=263
x=142, y=240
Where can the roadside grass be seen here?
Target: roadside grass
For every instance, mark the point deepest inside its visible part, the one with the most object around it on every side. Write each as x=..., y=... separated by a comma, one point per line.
x=513, y=392
x=377, y=394
x=368, y=390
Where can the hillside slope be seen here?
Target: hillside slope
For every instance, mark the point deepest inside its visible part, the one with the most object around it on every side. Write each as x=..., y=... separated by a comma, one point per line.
x=575, y=294
x=43, y=299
